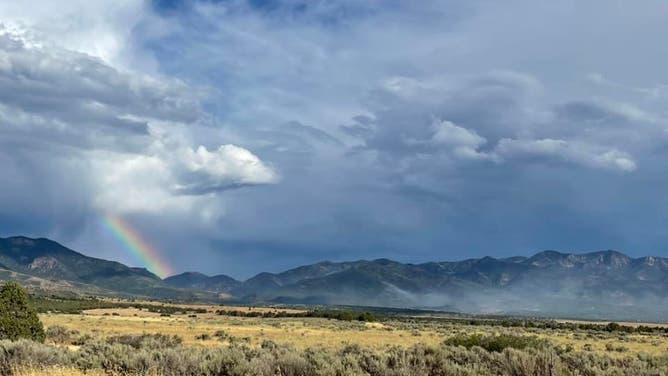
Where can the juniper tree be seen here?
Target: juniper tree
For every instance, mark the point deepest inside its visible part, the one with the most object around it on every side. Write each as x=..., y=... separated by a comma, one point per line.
x=17, y=318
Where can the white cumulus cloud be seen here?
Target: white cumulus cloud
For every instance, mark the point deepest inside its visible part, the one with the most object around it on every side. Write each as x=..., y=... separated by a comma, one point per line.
x=130, y=132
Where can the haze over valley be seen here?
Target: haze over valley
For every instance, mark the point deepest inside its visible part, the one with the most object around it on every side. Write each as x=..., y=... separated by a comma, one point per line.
x=597, y=285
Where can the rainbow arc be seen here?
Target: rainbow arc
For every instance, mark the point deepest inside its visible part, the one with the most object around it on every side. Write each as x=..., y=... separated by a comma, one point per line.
x=133, y=242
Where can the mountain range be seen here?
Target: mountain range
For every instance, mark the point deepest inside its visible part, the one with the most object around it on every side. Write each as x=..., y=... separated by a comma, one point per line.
x=598, y=285
x=46, y=267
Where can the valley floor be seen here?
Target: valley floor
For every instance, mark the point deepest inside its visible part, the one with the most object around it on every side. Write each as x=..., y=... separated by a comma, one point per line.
x=271, y=346
x=330, y=334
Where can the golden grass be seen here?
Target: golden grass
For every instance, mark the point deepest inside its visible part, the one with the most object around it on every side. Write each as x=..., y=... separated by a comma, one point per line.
x=300, y=332
x=647, y=344
x=328, y=334
x=56, y=371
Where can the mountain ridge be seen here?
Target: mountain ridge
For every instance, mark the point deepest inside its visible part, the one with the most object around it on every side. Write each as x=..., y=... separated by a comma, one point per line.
x=46, y=259
x=599, y=284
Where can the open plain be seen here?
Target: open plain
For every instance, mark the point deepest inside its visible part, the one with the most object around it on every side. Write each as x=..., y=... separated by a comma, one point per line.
x=230, y=340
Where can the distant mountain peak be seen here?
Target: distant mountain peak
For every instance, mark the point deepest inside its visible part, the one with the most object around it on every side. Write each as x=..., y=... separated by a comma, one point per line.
x=608, y=253
x=549, y=282
x=47, y=259
x=384, y=261
x=200, y=281
x=26, y=240
x=192, y=274
x=145, y=272
x=547, y=258
x=487, y=259
x=609, y=257
x=515, y=259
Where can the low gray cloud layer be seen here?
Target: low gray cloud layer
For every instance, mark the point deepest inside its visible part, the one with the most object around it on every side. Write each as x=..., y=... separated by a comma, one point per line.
x=230, y=132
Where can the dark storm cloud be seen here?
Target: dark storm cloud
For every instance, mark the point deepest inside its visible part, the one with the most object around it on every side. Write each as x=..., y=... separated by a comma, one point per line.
x=418, y=131
x=52, y=94
x=80, y=138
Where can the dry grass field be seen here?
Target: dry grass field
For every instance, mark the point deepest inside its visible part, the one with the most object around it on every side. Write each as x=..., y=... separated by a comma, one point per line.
x=330, y=334
x=300, y=332
x=139, y=341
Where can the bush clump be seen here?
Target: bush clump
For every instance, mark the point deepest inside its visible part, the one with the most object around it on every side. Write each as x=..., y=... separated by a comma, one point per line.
x=61, y=335
x=147, y=341
x=495, y=343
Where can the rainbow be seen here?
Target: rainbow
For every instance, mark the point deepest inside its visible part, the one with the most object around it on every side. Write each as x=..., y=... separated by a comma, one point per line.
x=137, y=246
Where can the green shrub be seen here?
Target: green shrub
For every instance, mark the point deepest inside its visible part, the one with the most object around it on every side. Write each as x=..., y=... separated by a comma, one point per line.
x=27, y=353
x=613, y=326
x=221, y=334
x=495, y=343
x=61, y=335
x=17, y=318
x=531, y=363
x=147, y=341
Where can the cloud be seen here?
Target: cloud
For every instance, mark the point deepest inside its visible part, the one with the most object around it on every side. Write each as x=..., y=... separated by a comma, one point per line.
x=654, y=92
x=475, y=109
x=135, y=183
x=173, y=180
x=498, y=120
x=605, y=113
x=463, y=141
x=412, y=130
x=561, y=150
x=95, y=28
x=227, y=167
x=78, y=99
x=128, y=133
x=451, y=139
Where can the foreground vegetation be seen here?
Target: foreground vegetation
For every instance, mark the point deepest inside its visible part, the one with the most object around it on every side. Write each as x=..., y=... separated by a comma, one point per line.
x=161, y=355
x=17, y=318
x=102, y=337
x=126, y=341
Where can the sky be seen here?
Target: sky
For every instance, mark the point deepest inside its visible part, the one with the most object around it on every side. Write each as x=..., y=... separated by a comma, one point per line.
x=240, y=136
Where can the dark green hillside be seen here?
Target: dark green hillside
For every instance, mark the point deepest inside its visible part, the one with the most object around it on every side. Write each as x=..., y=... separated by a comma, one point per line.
x=50, y=261
x=199, y=281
